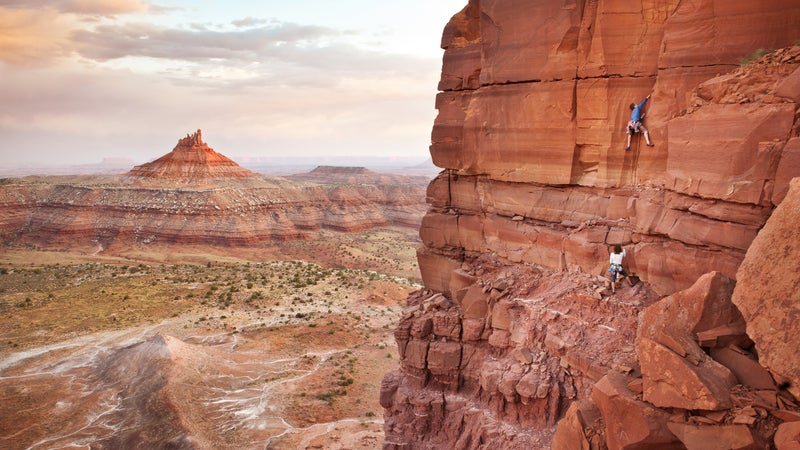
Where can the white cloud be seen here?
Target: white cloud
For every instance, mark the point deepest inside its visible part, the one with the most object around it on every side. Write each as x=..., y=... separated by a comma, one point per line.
x=129, y=84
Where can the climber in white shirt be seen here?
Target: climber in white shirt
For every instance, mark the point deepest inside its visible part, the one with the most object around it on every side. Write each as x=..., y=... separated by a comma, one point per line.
x=616, y=269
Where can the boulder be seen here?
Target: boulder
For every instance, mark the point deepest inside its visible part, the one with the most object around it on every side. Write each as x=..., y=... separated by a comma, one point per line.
x=416, y=354
x=672, y=381
x=571, y=429
x=444, y=358
x=630, y=423
x=720, y=437
x=787, y=437
x=767, y=291
x=475, y=303
x=704, y=306
x=745, y=367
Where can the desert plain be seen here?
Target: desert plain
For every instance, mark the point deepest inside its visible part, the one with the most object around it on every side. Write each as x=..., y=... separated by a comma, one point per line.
x=185, y=346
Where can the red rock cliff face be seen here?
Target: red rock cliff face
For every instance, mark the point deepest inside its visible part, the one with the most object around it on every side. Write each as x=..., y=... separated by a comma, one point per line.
x=515, y=332
x=531, y=125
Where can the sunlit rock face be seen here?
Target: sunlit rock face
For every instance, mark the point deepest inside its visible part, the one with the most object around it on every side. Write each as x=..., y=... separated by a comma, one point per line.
x=532, y=114
x=531, y=136
x=191, y=161
x=194, y=195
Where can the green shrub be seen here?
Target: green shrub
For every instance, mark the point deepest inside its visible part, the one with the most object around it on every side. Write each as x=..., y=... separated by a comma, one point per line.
x=758, y=53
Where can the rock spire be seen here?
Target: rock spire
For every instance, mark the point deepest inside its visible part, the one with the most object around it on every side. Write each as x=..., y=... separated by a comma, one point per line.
x=191, y=160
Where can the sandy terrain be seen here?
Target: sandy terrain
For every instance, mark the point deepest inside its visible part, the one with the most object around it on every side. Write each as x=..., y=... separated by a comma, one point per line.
x=201, y=348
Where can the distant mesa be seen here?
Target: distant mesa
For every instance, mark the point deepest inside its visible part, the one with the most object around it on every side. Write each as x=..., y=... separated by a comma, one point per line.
x=356, y=175
x=191, y=160
x=342, y=170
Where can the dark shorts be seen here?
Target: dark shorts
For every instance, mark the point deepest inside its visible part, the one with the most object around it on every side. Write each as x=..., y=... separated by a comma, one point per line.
x=615, y=271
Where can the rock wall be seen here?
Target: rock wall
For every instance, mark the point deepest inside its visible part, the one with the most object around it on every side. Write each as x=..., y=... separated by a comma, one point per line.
x=531, y=123
x=516, y=331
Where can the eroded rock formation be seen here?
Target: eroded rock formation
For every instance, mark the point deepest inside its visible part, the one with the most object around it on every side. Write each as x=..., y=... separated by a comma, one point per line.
x=515, y=332
x=194, y=195
x=192, y=161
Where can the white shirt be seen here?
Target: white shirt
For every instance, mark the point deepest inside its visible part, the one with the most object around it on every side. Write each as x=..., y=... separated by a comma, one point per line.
x=616, y=258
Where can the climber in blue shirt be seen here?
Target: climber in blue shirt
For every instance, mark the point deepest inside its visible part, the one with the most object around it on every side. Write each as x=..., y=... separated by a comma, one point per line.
x=635, y=125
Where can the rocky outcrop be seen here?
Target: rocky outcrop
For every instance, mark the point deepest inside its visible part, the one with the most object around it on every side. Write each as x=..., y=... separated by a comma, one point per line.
x=700, y=381
x=497, y=361
x=194, y=195
x=537, y=186
x=192, y=161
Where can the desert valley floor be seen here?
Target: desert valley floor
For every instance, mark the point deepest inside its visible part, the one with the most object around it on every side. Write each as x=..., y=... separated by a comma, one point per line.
x=194, y=347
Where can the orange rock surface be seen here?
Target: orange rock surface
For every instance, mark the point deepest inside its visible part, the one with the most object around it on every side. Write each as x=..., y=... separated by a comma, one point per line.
x=531, y=122
x=191, y=161
x=537, y=186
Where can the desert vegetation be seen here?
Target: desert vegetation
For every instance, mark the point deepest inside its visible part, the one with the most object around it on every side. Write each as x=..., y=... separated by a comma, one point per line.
x=327, y=320
x=92, y=297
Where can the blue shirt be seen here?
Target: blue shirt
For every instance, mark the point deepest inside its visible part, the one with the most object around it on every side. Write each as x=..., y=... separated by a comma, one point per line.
x=636, y=114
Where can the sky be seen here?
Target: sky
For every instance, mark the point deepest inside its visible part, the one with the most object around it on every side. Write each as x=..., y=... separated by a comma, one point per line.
x=86, y=80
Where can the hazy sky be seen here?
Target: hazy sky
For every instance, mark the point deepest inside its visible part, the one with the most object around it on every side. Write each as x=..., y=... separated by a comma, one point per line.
x=83, y=80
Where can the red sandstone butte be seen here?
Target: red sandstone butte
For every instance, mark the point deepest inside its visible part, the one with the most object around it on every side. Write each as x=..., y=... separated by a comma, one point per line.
x=191, y=160
x=536, y=187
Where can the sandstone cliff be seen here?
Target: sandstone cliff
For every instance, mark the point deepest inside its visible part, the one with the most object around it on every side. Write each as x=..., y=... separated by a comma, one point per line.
x=195, y=195
x=516, y=332
x=531, y=124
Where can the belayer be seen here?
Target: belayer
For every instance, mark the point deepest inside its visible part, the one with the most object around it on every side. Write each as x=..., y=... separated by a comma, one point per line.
x=615, y=268
x=635, y=125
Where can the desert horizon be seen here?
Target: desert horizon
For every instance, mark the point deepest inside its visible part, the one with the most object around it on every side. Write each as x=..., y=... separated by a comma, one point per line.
x=265, y=165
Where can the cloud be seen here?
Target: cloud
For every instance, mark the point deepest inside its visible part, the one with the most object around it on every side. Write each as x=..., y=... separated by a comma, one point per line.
x=248, y=22
x=104, y=7
x=85, y=7
x=29, y=38
x=278, y=53
x=113, y=41
x=103, y=80
x=33, y=33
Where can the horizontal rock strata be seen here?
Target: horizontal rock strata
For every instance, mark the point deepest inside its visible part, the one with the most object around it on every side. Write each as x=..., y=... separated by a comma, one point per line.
x=55, y=214
x=194, y=195
x=531, y=125
x=537, y=186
